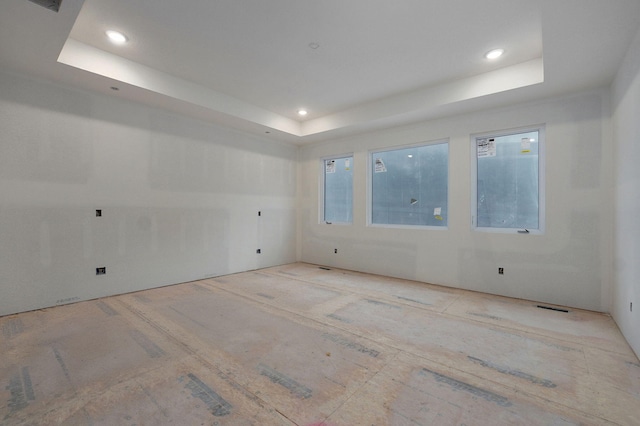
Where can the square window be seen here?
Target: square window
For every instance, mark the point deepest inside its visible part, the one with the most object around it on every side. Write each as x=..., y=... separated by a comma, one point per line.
x=409, y=186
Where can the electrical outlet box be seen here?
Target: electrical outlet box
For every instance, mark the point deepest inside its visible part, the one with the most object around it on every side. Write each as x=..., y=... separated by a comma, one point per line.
x=500, y=271
x=98, y=213
x=101, y=271
x=258, y=251
x=335, y=251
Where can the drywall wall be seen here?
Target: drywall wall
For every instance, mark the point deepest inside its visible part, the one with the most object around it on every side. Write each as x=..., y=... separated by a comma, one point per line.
x=179, y=197
x=626, y=131
x=568, y=265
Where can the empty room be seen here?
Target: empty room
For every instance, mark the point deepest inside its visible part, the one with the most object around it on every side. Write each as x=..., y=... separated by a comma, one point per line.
x=326, y=213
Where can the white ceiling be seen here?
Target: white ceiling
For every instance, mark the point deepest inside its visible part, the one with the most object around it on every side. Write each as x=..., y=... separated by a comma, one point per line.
x=249, y=64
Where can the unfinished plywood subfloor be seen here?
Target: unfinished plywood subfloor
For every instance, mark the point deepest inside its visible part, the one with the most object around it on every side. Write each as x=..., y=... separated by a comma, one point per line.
x=301, y=345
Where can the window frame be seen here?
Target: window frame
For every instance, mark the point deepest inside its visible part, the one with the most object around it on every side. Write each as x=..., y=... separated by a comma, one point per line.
x=540, y=128
x=370, y=169
x=322, y=188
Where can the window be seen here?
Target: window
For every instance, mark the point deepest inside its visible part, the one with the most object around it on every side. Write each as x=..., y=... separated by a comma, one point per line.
x=508, y=190
x=338, y=190
x=409, y=186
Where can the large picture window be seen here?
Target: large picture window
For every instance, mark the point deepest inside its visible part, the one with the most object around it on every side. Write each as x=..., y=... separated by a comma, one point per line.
x=409, y=186
x=338, y=190
x=508, y=188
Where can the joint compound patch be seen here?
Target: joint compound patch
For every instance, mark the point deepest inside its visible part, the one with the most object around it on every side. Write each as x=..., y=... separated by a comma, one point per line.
x=516, y=373
x=466, y=387
x=351, y=345
x=215, y=403
x=284, y=381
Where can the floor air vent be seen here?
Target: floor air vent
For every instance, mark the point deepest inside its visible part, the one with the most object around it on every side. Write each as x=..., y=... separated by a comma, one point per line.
x=326, y=269
x=551, y=308
x=48, y=4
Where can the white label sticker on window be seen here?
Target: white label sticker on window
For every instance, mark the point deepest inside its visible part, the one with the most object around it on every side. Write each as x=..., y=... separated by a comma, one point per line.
x=347, y=164
x=330, y=166
x=380, y=167
x=486, y=147
x=437, y=211
x=525, y=145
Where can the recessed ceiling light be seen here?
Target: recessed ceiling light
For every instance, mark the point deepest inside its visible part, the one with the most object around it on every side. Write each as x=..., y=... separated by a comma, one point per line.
x=302, y=112
x=116, y=37
x=494, y=54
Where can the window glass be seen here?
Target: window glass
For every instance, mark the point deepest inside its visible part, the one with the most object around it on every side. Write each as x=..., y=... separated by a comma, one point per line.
x=508, y=181
x=338, y=190
x=409, y=186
